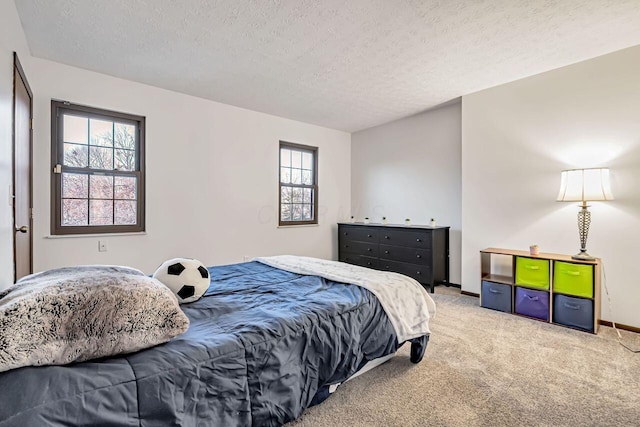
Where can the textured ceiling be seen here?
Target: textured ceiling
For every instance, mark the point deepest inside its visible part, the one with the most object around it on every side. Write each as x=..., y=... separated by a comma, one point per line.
x=344, y=64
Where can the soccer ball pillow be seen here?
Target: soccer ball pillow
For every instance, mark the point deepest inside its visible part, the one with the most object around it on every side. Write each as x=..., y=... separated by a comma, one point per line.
x=187, y=278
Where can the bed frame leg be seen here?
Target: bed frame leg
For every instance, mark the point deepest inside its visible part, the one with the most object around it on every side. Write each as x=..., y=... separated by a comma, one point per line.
x=418, y=346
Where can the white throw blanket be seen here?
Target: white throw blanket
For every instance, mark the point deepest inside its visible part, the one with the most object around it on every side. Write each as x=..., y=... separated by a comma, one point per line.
x=404, y=300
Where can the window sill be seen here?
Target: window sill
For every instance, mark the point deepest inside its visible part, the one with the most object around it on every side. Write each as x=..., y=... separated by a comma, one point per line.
x=73, y=236
x=298, y=225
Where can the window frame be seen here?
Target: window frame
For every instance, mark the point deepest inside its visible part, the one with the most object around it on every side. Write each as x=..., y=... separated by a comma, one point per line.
x=58, y=109
x=314, y=186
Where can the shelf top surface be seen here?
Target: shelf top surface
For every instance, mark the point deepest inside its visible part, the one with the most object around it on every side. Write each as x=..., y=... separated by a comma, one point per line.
x=417, y=226
x=541, y=255
x=498, y=278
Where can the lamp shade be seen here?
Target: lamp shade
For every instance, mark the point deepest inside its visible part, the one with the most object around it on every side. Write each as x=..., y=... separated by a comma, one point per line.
x=581, y=185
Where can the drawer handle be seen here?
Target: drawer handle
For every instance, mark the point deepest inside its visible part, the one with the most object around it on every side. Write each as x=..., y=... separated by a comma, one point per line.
x=368, y=262
x=369, y=235
x=418, y=240
x=532, y=267
x=368, y=249
x=386, y=252
x=386, y=237
x=418, y=273
x=418, y=256
x=571, y=306
x=532, y=298
x=573, y=273
x=346, y=234
x=494, y=291
x=387, y=267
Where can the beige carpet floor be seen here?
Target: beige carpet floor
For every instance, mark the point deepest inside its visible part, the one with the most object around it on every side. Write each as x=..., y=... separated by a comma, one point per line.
x=486, y=368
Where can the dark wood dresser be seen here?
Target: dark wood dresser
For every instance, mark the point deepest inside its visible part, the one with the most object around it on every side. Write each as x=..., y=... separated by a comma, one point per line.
x=421, y=252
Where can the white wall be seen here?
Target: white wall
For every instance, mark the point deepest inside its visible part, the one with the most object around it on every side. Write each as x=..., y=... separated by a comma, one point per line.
x=410, y=168
x=212, y=177
x=11, y=39
x=516, y=138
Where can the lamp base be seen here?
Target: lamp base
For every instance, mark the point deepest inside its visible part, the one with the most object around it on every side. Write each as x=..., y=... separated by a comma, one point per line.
x=584, y=220
x=583, y=256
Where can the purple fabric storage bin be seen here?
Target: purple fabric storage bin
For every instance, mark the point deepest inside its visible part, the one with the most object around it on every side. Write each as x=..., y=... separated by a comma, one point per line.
x=532, y=303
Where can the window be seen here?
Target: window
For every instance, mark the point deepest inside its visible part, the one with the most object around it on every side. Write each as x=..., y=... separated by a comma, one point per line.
x=298, y=184
x=98, y=170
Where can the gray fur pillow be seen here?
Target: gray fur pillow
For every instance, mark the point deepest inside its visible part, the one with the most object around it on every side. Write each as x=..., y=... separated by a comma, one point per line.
x=80, y=313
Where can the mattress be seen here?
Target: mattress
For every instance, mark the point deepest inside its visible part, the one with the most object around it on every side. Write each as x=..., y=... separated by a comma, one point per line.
x=263, y=345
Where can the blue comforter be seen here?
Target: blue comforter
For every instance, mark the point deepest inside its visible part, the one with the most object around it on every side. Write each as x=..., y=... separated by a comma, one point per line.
x=263, y=345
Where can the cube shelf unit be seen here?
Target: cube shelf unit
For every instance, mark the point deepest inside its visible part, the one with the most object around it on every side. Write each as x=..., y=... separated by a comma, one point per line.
x=548, y=287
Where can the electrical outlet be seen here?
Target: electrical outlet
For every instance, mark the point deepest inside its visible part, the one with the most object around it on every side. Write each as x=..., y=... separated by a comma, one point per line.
x=102, y=246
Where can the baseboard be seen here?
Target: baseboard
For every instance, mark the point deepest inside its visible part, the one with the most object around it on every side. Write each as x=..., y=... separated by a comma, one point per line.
x=473, y=294
x=620, y=326
x=453, y=285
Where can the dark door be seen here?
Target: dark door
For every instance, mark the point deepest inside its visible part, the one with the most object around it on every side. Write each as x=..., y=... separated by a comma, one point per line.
x=22, y=217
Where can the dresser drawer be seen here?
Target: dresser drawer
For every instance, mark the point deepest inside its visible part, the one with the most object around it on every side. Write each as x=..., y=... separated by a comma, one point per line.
x=573, y=279
x=410, y=238
x=363, y=261
x=359, y=233
x=404, y=254
x=359, y=248
x=422, y=273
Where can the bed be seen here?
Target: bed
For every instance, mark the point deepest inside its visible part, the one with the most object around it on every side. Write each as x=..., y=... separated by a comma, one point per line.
x=263, y=345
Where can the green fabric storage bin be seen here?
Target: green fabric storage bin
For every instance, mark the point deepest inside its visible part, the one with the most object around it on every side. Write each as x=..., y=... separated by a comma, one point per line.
x=573, y=279
x=533, y=273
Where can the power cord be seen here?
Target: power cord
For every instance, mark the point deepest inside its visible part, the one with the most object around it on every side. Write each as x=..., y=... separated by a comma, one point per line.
x=606, y=290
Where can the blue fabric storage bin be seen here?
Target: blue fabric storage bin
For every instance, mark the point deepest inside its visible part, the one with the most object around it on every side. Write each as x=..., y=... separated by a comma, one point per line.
x=574, y=312
x=532, y=303
x=496, y=296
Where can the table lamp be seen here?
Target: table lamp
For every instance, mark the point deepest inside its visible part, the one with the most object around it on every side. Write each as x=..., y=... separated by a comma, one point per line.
x=583, y=185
